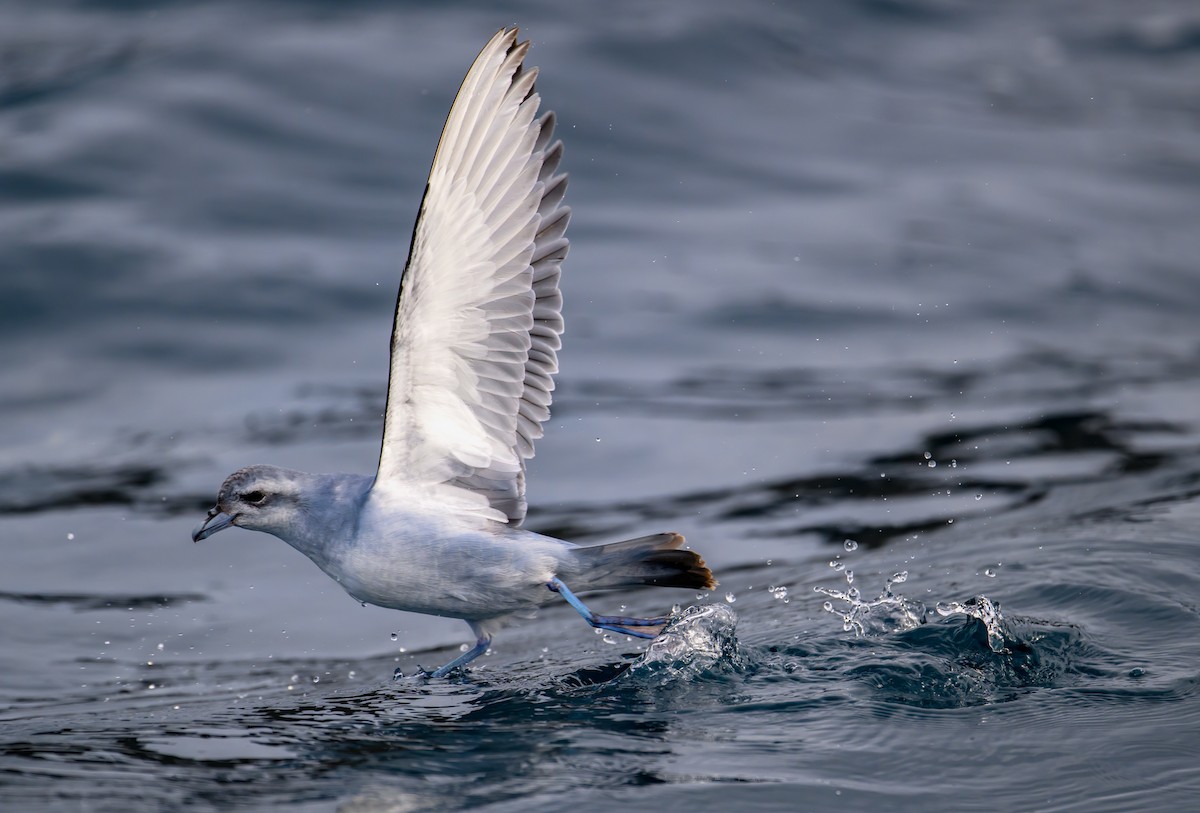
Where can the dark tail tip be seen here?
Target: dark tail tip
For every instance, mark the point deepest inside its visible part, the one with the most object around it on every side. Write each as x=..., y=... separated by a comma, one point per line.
x=677, y=567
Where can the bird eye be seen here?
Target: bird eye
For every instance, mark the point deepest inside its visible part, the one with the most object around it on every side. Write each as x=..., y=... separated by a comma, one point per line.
x=254, y=497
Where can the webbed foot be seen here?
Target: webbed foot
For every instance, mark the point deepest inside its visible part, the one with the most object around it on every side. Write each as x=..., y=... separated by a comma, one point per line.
x=637, y=627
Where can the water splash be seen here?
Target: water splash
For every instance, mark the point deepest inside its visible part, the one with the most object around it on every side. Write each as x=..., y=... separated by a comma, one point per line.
x=887, y=612
x=983, y=609
x=696, y=640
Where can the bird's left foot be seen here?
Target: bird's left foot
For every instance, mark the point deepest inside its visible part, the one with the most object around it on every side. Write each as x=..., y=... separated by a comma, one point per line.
x=637, y=627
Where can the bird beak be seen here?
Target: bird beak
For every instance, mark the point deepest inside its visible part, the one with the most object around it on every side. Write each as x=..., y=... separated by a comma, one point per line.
x=216, y=521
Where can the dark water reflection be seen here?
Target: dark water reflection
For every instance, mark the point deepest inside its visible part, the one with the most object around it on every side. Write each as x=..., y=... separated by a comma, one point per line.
x=918, y=274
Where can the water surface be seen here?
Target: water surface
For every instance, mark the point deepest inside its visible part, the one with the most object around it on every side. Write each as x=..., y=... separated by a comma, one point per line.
x=917, y=274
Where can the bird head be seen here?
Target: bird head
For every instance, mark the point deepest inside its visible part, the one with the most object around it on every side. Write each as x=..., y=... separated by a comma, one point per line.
x=258, y=498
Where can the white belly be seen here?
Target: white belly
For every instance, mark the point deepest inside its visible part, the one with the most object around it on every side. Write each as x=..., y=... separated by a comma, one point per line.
x=448, y=571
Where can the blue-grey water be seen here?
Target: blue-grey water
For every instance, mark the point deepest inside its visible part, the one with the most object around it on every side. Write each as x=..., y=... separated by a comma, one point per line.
x=856, y=290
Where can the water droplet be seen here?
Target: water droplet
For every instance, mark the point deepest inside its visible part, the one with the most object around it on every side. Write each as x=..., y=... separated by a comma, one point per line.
x=850, y=544
x=932, y=464
x=991, y=574
x=978, y=497
x=70, y=537
x=351, y=674
x=954, y=464
x=463, y=648
x=161, y=647
x=730, y=597
x=394, y=637
x=827, y=606
x=316, y=678
x=836, y=565
x=608, y=639
x=929, y=455
x=849, y=577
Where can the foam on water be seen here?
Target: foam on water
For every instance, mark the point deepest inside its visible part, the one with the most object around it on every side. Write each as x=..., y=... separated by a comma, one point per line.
x=975, y=656
x=891, y=612
x=983, y=609
x=884, y=613
x=698, y=639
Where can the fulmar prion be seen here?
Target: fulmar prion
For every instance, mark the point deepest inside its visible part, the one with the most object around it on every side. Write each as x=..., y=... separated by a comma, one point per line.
x=474, y=348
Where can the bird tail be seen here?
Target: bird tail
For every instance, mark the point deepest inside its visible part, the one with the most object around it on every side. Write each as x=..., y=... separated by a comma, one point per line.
x=657, y=560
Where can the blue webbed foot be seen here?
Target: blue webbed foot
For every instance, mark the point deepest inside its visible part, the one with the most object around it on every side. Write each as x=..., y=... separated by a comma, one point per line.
x=421, y=674
x=637, y=627
x=481, y=645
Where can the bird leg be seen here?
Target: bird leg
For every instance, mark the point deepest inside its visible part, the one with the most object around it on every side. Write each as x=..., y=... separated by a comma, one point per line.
x=637, y=627
x=481, y=646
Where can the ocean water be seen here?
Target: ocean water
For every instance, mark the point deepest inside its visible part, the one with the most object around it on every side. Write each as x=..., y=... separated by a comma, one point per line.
x=890, y=306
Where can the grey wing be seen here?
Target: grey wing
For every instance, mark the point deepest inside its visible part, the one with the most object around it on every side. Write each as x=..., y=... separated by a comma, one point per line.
x=479, y=316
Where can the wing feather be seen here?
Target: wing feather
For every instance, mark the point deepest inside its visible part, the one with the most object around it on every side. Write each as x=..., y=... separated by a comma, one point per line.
x=479, y=316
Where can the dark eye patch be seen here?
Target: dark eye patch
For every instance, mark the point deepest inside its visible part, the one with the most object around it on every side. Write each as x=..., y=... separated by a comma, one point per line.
x=254, y=497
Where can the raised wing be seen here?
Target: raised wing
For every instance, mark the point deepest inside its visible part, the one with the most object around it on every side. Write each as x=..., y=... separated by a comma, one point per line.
x=478, y=320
